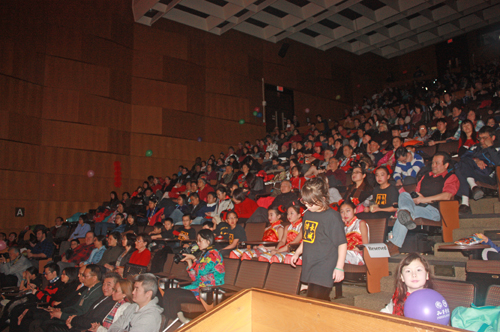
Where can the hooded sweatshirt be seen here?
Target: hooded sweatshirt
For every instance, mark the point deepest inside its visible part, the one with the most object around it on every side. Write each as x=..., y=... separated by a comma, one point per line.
x=146, y=319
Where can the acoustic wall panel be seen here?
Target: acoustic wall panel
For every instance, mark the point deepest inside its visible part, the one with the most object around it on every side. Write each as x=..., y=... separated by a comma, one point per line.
x=61, y=104
x=157, y=93
x=280, y=75
x=217, y=81
x=19, y=156
x=22, y=63
x=227, y=107
x=104, y=112
x=23, y=128
x=18, y=185
x=183, y=72
x=147, y=65
x=64, y=42
x=160, y=42
x=20, y=96
x=106, y=53
x=183, y=125
x=72, y=135
x=146, y=119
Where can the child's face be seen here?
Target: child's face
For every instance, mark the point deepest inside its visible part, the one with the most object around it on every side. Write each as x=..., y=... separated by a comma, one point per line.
x=180, y=201
x=272, y=216
x=118, y=220
x=292, y=215
x=232, y=220
x=168, y=225
x=381, y=176
x=186, y=221
x=74, y=244
x=347, y=213
x=130, y=220
x=414, y=275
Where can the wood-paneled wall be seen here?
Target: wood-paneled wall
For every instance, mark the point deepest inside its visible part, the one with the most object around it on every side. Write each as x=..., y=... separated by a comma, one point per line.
x=82, y=86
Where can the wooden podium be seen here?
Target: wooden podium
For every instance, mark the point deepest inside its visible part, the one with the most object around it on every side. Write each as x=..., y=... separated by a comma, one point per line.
x=262, y=310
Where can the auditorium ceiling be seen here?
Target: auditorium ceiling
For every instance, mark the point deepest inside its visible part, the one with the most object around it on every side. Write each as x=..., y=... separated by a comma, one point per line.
x=385, y=27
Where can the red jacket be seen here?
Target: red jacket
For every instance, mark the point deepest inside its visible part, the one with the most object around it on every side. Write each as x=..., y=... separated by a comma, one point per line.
x=203, y=193
x=246, y=208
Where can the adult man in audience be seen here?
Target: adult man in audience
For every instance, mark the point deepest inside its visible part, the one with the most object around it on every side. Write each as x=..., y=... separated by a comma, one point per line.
x=375, y=153
x=285, y=153
x=96, y=313
x=408, y=165
x=204, y=189
x=196, y=206
x=101, y=228
x=92, y=280
x=80, y=253
x=438, y=185
x=43, y=249
x=144, y=315
x=441, y=134
x=59, y=232
x=11, y=273
x=478, y=164
x=439, y=114
x=286, y=197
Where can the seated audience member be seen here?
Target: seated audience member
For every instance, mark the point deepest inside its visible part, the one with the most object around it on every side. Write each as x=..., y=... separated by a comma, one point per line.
x=144, y=315
x=389, y=159
x=166, y=231
x=12, y=239
x=11, y=273
x=142, y=255
x=204, y=189
x=476, y=124
x=375, y=153
x=101, y=228
x=186, y=232
x=434, y=186
x=385, y=195
x=128, y=244
x=422, y=134
x=224, y=202
x=359, y=191
x=356, y=232
x=232, y=232
x=120, y=223
x=468, y=137
x=80, y=253
x=131, y=226
x=478, y=164
x=408, y=164
x=208, y=208
x=297, y=178
x=441, y=134
x=349, y=157
x=81, y=229
x=91, y=296
x=100, y=243
x=154, y=211
x=196, y=205
x=181, y=208
x=59, y=232
x=205, y=271
x=113, y=249
x=243, y=206
x=286, y=197
x=336, y=176
x=43, y=249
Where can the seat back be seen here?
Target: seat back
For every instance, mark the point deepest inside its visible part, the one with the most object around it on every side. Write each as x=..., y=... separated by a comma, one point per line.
x=251, y=274
x=426, y=151
x=376, y=228
x=231, y=267
x=179, y=271
x=197, y=228
x=147, y=229
x=167, y=267
x=255, y=230
x=493, y=296
x=450, y=147
x=456, y=293
x=283, y=278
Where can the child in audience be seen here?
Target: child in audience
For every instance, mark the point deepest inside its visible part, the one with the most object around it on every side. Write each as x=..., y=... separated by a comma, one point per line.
x=356, y=233
x=324, y=244
x=186, y=232
x=232, y=232
x=293, y=236
x=157, y=230
x=492, y=253
x=131, y=226
x=385, y=194
x=413, y=274
x=273, y=233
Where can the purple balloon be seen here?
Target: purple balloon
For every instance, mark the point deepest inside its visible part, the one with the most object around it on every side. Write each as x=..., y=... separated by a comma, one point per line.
x=428, y=305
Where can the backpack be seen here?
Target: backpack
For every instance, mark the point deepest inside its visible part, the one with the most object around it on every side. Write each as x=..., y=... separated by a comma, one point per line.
x=480, y=319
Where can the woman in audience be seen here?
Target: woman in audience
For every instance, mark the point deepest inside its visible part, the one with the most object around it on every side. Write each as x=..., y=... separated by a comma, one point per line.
x=122, y=295
x=100, y=243
x=128, y=244
x=255, y=185
x=113, y=249
x=472, y=117
x=207, y=270
x=359, y=191
x=224, y=202
x=142, y=255
x=356, y=233
x=297, y=178
x=81, y=229
x=120, y=223
x=210, y=174
x=30, y=276
x=181, y=208
x=422, y=134
x=243, y=206
x=113, y=201
x=131, y=226
x=245, y=170
x=12, y=239
x=468, y=137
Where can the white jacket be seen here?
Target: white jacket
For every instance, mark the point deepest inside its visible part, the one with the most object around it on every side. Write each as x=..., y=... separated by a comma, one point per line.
x=221, y=206
x=146, y=319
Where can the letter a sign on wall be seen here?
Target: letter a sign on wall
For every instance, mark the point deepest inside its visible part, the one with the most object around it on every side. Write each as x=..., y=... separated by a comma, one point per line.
x=19, y=212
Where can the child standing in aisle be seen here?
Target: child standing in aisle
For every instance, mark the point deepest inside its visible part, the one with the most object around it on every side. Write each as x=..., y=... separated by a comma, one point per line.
x=324, y=244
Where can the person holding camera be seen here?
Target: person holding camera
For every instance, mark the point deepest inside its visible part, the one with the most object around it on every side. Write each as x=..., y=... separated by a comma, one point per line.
x=205, y=267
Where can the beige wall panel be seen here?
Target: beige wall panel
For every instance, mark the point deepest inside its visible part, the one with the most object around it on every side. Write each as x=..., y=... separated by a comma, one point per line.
x=10, y=223
x=161, y=94
x=21, y=62
x=153, y=40
x=19, y=157
x=146, y=119
x=147, y=65
x=18, y=185
x=183, y=124
x=104, y=112
x=218, y=81
x=120, y=87
x=183, y=72
x=74, y=75
x=119, y=141
x=196, y=100
x=20, y=97
x=228, y=59
x=64, y=42
x=76, y=136
x=60, y=104
x=106, y=53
